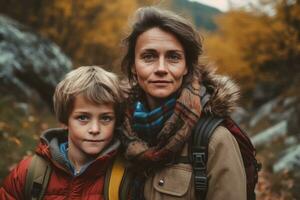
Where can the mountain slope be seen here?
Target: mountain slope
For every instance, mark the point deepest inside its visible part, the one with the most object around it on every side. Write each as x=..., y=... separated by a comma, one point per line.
x=202, y=15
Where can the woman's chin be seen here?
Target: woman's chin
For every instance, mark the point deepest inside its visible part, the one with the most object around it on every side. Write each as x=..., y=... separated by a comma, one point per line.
x=161, y=95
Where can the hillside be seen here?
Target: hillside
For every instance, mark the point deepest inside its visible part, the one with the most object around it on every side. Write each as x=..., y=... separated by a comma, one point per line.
x=202, y=15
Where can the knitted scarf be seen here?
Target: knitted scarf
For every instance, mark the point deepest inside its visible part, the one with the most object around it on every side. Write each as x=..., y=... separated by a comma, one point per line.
x=175, y=132
x=148, y=124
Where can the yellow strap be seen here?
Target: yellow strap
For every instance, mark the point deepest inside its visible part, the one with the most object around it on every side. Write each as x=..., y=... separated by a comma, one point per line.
x=117, y=173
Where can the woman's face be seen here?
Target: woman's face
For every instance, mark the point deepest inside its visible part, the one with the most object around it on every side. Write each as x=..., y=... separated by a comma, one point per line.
x=159, y=64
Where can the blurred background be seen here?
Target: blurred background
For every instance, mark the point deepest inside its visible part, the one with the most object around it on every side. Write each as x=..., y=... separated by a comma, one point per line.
x=257, y=43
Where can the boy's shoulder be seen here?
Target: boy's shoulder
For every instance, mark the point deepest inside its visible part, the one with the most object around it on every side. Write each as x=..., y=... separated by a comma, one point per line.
x=21, y=168
x=14, y=183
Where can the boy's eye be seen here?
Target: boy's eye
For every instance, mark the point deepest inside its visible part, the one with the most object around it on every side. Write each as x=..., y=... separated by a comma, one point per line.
x=106, y=118
x=83, y=118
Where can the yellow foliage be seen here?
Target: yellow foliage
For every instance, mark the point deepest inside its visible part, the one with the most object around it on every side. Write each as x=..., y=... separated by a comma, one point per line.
x=108, y=25
x=25, y=125
x=226, y=56
x=250, y=44
x=15, y=140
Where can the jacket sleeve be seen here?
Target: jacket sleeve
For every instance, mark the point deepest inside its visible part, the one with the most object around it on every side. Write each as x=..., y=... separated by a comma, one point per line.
x=225, y=168
x=14, y=184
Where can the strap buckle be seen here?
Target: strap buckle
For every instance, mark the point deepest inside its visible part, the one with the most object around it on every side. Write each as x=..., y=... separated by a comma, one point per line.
x=199, y=165
x=200, y=183
x=199, y=161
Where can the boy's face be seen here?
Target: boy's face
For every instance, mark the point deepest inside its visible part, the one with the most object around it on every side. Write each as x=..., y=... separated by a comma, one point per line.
x=90, y=127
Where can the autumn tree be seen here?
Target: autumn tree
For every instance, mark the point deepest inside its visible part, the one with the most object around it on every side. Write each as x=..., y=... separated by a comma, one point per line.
x=260, y=45
x=88, y=31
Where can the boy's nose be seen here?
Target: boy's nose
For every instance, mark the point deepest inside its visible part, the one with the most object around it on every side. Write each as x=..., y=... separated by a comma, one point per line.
x=94, y=128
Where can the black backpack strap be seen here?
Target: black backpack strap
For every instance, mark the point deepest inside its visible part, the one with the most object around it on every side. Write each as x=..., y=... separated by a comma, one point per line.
x=199, y=151
x=37, y=178
x=125, y=184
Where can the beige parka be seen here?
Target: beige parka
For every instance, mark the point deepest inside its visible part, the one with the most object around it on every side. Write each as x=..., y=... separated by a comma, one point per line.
x=225, y=170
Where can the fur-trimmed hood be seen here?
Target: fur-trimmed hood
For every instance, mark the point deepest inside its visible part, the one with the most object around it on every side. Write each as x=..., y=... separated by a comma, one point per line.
x=221, y=94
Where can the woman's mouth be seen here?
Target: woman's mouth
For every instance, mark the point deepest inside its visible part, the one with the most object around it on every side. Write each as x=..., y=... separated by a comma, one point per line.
x=160, y=82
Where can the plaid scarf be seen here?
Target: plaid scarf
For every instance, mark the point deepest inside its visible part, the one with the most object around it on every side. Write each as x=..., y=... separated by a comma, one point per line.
x=148, y=124
x=174, y=133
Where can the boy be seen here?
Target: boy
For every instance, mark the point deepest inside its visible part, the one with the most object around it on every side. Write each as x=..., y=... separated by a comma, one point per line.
x=88, y=103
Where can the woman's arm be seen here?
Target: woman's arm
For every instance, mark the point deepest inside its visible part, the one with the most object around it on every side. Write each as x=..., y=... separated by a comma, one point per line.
x=225, y=168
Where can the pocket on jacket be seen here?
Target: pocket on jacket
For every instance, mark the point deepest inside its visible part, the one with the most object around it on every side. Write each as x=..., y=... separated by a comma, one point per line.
x=173, y=182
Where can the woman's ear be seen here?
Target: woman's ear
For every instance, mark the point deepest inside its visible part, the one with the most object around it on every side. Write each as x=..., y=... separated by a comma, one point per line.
x=186, y=70
x=133, y=71
x=134, y=74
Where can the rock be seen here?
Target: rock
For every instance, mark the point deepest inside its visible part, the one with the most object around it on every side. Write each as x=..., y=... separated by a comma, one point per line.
x=289, y=161
x=270, y=134
x=294, y=120
x=263, y=111
x=23, y=107
x=29, y=62
x=263, y=92
x=291, y=140
x=289, y=100
x=279, y=116
x=276, y=110
x=240, y=115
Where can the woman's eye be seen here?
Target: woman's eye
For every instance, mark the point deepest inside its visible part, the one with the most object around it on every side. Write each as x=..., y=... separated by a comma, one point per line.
x=82, y=118
x=148, y=57
x=174, y=57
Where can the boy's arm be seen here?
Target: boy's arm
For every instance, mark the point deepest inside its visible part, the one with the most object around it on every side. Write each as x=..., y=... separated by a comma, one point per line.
x=14, y=184
x=226, y=172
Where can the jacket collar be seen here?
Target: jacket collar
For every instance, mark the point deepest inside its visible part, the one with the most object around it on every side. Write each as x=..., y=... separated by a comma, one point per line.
x=49, y=149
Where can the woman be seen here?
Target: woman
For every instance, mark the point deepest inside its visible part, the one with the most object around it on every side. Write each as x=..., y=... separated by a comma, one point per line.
x=169, y=92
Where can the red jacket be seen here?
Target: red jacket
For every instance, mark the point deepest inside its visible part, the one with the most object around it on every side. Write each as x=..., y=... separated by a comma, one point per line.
x=62, y=184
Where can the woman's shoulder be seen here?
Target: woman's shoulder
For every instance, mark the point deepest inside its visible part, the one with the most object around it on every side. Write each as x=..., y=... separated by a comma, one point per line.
x=222, y=138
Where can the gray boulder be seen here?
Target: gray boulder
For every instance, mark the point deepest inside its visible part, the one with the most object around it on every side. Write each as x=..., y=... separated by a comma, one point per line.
x=265, y=110
x=269, y=135
x=290, y=160
x=29, y=63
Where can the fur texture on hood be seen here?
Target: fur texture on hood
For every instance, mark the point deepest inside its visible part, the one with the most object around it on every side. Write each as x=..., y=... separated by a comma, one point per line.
x=222, y=93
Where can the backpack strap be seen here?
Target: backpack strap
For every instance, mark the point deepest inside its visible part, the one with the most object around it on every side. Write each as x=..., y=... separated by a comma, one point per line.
x=37, y=178
x=116, y=179
x=199, y=151
x=125, y=184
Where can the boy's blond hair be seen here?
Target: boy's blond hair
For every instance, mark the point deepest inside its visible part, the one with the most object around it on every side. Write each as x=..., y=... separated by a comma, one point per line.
x=97, y=85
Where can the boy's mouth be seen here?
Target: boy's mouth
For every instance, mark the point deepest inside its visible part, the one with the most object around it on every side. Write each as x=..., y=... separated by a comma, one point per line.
x=93, y=140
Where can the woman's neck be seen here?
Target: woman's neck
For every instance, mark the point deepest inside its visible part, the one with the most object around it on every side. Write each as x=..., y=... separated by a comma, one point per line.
x=154, y=102
x=157, y=102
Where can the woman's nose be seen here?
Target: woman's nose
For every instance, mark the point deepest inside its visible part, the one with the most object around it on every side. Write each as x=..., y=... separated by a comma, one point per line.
x=161, y=67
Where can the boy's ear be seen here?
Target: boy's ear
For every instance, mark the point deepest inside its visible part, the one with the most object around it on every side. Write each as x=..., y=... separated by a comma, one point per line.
x=64, y=126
